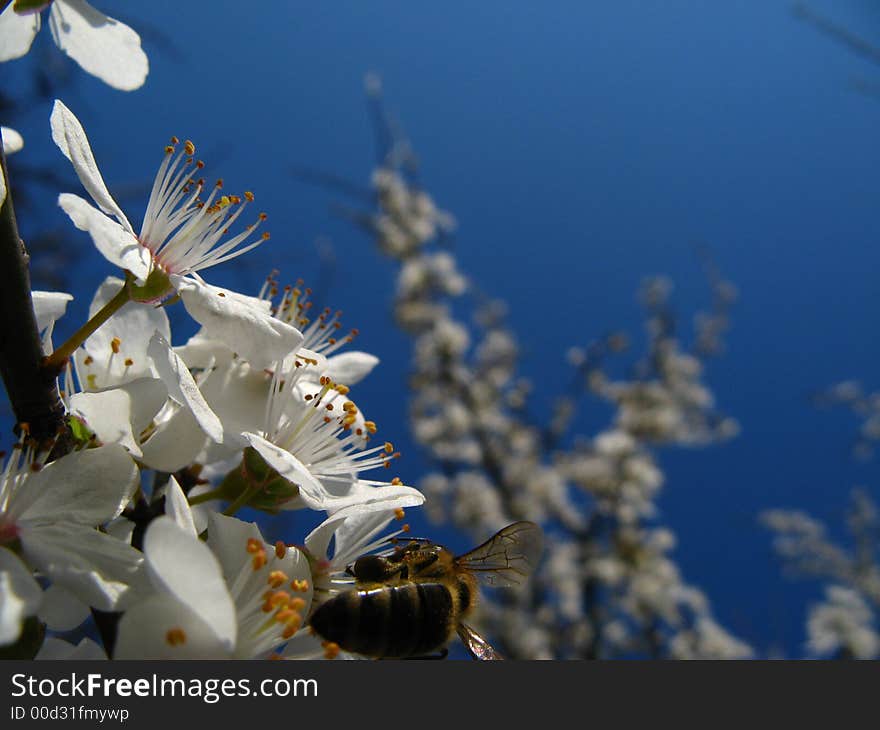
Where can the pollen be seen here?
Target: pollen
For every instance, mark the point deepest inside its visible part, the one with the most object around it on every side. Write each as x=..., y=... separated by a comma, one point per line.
x=399, y=513
x=331, y=649
x=255, y=548
x=175, y=637
x=302, y=586
x=189, y=148
x=277, y=578
x=114, y=345
x=280, y=549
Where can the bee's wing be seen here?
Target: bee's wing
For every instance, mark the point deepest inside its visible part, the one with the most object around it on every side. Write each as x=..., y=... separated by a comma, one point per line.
x=508, y=557
x=478, y=647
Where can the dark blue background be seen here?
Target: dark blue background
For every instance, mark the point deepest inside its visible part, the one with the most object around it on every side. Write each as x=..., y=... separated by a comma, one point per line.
x=581, y=146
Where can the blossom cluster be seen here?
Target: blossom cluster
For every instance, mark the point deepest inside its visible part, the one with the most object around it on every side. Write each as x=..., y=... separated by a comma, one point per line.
x=121, y=529
x=609, y=585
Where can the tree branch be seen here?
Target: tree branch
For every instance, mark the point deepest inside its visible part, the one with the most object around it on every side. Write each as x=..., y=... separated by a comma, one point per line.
x=32, y=390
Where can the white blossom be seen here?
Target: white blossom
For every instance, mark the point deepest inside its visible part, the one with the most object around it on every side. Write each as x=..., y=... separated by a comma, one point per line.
x=101, y=45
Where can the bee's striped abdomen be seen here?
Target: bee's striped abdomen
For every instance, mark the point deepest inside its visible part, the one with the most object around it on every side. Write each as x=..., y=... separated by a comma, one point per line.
x=411, y=619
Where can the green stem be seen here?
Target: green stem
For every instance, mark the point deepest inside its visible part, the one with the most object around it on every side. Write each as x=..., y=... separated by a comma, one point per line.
x=57, y=359
x=241, y=500
x=205, y=497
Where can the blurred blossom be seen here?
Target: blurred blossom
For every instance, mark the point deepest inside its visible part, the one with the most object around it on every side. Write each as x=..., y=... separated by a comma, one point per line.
x=609, y=586
x=101, y=45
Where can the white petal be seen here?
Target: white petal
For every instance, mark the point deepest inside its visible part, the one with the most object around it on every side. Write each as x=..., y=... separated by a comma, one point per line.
x=121, y=528
x=87, y=487
x=49, y=307
x=178, y=509
x=185, y=567
x=104, y=47
x=350, y=367
x=237, y=393
x=202, y=512
x=20, y=595
x=201, y=351
x=175, y=444
x=12, y=140
x=55, y=649
x=116, y=244
x=243, y=323
x=98, y=569
x=61, y=610
x=71, y=139
x=145, y=632
x=118, y=348
x=182, y=386
x=344, y=492
x=312, y=492
x=354, y=527
x=17, y=32
x=228, y=538
x=118, y=415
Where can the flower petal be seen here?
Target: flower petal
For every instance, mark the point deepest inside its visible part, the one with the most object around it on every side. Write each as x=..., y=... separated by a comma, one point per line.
x=244, y=323
x=87, y=487
x=182, y=386
x=117, y=415
x=312, y=492
x=55, y=649
x=163, y=627
x=17, y=33
x=61, y=610
x=175, y=444
x=104, y=47
x=96, y=568
x=227, y=538
x=12, y=140
x=49, y=307
x=116, y=244
x=71, y=139
x=185, y=567
x=118, y=348
x=20, y=595
x=178, y=509
x=350, y=367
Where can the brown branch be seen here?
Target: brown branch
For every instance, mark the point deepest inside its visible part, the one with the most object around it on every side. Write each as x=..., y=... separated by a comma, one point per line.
x=33, y=392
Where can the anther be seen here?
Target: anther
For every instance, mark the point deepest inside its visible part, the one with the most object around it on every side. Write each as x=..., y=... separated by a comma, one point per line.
x=175, y=637
x=277, y=578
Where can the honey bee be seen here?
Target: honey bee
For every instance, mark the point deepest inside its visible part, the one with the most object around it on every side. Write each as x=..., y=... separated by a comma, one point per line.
x=410, y=601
